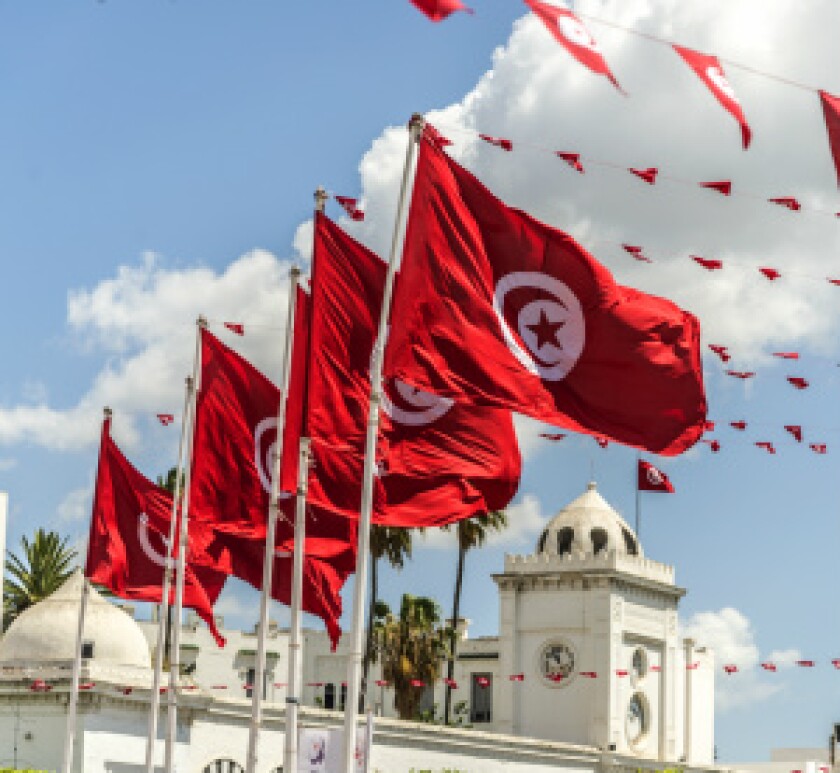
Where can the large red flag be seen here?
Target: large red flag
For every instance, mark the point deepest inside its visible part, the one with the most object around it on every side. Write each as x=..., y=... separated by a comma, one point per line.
x=127, y=550
x=438, y=461
x=569, y=31
x=709, y=70
x=831, y=110
x=494, y=306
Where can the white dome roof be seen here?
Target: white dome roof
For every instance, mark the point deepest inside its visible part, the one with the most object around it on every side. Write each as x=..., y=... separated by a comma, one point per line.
x=588, y=526
x=47, y=631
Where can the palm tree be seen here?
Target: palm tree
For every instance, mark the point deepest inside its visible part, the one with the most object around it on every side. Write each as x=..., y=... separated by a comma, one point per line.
x=395, y=545
x=471, y=533
x=412, y=648
x=45, y=564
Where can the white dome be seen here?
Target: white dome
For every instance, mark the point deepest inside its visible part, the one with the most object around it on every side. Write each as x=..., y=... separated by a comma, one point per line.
x=47, y=631
x=588, y=526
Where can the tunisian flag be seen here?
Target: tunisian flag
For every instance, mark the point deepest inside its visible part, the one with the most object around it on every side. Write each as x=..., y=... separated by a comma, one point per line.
x=651, y=478
x=831, y=110
x=568, y=30
x=438, y=461
x=708, y=69
x=129, y=529
x=496, y=307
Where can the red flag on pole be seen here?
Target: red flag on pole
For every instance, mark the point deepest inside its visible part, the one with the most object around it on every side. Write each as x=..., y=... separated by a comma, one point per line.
x=709, y=70
x=439, y=460
x=127, y=544
x=651, y=478
x=496, y=307
x=795, y=430
x=568, y=30
x=831, y=111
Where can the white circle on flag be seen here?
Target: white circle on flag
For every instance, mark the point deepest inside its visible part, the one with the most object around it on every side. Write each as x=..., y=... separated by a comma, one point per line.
x=418, y=407
x=264, y=457
x=655, y=478
x=553, y=359
x=154, y=555
x=716, y=76
x=571, y=29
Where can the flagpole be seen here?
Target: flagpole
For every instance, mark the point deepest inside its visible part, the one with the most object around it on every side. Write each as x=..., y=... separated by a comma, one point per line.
x=295, y=672
x=271, y=531
x=163, y=610
x=180, y=572
x=290, y=750
x=70, y=730
x=638, y=497
x=354, y=664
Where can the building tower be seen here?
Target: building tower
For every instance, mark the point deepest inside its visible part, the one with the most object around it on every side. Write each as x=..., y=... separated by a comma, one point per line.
x=592, y=625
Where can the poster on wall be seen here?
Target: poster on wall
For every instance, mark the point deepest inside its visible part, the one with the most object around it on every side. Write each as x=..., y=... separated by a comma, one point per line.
x=320, y=750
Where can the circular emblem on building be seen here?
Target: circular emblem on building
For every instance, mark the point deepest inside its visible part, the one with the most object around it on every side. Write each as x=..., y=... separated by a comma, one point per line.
x=557, y=662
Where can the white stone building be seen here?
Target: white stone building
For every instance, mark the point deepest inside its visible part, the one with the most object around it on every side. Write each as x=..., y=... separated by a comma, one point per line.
x=587, y=628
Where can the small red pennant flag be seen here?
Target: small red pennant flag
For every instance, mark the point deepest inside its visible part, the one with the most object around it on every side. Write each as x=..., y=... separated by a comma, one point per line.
x=713, y=444
x=818, y=448
x=789, y=202
x=499, y=142
x=708, y=426
x=438, y=10
x=381, y=683
x=87, y=685
x=742, y=374
x=691, y=666
x=730, y=669
x=164, y=690
x=589, y=674
x=721, y=186
x=350, y=206
x=795, y=430
x=721, y=351
x=572, y=159
x=279, y=684
x=601, y=441
x=417, y=683
x=741, y=425
x=656, y=668
x=768, y=666
x=648, y=175
x=247, y=686
x=770, y=273
x=805, y=663
x=636, y=252
x=552, y=435
x=834, y=281
x=620, y=672
x=517, y=677
x=836, y=663
x=219, y=687
x=39, y=685
x=166, y=418
x=787, y=355
x=450, y=683
x=127, y=690
x=555, y=677
x=798, y=382
x=482, y=681
x=236, y=327
x=767, y=446
x=710, y=264
x=650, y=478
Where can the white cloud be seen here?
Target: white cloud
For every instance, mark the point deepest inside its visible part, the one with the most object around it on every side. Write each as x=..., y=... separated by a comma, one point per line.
x=784, y=658
x=730, y=635
x=525, y=520
x=142, y=323
x=75, y=507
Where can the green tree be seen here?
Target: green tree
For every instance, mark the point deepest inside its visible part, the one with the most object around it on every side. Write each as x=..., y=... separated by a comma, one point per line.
x=471, y=533
x=42, y=568
x=412, y=647
x=395, y=545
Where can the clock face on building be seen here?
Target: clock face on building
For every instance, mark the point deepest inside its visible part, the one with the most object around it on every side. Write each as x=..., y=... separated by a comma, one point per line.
x=557, y=662
x=637, y=720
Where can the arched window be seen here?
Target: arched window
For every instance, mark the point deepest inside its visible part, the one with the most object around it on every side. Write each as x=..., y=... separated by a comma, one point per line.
x=630, y=542
x=224, y=766
x=565, y=537
x=599, y=539
x=329, y=695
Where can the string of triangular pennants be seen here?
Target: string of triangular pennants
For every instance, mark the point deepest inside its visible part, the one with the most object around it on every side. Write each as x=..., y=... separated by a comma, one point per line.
x=569, y=31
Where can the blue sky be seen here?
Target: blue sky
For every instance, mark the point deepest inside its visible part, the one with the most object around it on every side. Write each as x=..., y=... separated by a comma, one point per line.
x=158, y=159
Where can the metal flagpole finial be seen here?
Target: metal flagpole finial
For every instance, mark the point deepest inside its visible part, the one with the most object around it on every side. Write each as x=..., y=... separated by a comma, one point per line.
x=294, y=272
x=321, y=197
x=418, y=121
x=201, y=321
x=107, y=412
